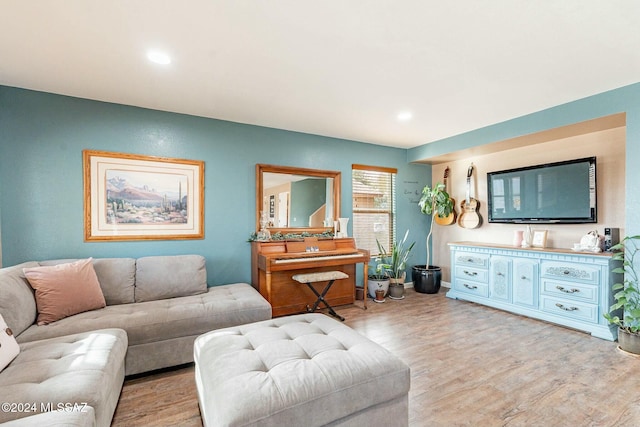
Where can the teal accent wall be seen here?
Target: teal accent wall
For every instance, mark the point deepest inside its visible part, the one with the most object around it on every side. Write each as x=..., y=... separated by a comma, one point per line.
x=623, y=100
x=42, y=136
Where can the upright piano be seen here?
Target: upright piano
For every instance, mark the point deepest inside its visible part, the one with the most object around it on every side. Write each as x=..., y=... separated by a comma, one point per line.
x=273, y=263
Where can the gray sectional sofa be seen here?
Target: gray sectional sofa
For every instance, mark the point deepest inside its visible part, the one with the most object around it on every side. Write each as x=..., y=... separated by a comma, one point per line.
x=155, y=308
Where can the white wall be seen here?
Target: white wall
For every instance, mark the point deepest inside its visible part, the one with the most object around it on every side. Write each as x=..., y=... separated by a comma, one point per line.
x=607, y=145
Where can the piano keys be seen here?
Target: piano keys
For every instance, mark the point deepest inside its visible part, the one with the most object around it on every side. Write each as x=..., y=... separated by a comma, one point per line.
x=273, y=264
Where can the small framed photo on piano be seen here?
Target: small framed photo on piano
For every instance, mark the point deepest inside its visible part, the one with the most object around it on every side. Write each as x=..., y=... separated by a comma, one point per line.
x=539, y=239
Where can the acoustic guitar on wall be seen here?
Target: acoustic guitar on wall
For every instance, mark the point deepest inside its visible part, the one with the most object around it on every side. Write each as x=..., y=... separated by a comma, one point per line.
x=451, y=218
x=469, y=216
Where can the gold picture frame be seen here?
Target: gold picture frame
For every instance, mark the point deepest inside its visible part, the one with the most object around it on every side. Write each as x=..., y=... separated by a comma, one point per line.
x=136, y=197
x=539, y=239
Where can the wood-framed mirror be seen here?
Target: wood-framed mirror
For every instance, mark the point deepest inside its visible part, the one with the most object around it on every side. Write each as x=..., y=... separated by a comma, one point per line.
x=297, y=200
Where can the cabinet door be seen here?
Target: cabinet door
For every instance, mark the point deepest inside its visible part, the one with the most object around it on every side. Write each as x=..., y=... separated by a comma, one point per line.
x=525, y=282
x=499, y=278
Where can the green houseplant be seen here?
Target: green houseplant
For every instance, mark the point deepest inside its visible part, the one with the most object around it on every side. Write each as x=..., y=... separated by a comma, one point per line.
x=625, y=313
x=378, y=278
x=394, y=264
x=434, y=201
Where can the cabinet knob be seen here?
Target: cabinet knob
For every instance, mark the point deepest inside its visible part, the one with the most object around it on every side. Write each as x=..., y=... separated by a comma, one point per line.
x=470, y=286
x=471, y=273
x=562, y=307
x=524, y=278
x=567, y=291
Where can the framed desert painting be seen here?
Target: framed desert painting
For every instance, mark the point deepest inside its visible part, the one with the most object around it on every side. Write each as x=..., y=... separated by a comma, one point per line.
x=134, y=197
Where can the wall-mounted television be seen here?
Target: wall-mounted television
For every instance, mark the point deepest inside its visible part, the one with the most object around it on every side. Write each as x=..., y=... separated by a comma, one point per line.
x=561, y=192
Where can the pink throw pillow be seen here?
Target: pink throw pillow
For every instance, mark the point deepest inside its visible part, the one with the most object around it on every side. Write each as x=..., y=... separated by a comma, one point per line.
x=65, y=289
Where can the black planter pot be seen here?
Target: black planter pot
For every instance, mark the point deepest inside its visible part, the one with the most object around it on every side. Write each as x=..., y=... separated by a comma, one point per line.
x=426, y=280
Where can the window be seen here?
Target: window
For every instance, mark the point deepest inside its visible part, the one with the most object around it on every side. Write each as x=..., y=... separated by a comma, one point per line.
x=374, y=206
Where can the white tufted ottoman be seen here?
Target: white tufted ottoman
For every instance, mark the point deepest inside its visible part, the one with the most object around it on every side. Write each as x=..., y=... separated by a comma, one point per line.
x=305, y=370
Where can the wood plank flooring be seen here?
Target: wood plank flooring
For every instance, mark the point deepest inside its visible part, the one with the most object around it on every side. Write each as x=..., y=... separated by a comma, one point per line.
x=470, y=366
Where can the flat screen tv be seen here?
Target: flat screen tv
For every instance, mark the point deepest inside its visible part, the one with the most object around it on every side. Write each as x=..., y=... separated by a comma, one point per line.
x=561, y=192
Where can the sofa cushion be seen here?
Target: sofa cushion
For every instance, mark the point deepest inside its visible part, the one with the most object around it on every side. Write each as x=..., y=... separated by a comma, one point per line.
x=17, y=303
x=9, y=347
x=65, y=289
x=117, y=277
x=87, y=369
x=160, y=277
x=153, y=321
x=82, y=416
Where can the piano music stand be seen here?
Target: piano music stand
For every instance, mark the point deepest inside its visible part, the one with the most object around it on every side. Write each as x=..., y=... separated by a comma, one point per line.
x=322, y=276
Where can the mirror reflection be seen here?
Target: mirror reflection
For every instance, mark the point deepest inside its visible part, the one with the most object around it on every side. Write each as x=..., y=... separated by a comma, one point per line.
x=296, y=198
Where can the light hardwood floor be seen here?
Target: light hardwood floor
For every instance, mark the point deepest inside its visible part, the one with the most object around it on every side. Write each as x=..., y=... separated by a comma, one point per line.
x=470, y=366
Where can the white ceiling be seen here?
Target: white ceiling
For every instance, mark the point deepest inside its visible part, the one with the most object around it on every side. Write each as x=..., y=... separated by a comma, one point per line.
x=340, y=68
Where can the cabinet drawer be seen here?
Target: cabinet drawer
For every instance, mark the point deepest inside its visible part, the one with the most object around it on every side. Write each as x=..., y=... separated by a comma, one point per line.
x=469, y=273
x=571, y=291
x=470, y=287
x=571, y=309
x=476, y=260
x=570, y=271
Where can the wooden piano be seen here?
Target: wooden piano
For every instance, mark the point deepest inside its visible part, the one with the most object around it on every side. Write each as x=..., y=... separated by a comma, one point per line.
x=273, y=264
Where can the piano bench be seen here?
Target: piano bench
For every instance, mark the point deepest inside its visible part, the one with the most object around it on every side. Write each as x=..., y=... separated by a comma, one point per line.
x=301, y=370
x=322, y=276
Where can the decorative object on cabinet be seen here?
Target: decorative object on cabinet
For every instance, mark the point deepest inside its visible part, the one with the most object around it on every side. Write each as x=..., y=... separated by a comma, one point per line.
x=394, y=263
x=434, y=201
x=625, y=313
x=527, y=237
x=469, y=216
x=453, y=216
x=340, y=228
x=253, y=237
x=555, y=285
x=264, y=234
x=592, y=242
x=611, y=238
x=539, y=239
x=134, y=197
x=518, y=236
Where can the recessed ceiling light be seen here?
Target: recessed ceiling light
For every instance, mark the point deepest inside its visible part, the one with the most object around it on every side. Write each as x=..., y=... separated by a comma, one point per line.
x=158, y=57
x=405, y=116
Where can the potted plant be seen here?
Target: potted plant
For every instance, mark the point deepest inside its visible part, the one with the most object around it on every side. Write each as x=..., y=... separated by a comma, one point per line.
x=434, y=201
x=378, y=279
x=628, y=296
x=395, y=263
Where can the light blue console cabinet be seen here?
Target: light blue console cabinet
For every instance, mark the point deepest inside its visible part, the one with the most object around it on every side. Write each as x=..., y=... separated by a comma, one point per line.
x=561, y=286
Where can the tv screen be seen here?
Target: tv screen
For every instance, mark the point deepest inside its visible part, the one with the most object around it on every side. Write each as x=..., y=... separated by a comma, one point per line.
x=561, y=192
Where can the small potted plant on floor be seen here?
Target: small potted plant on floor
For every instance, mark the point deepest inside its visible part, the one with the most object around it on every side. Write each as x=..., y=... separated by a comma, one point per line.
x=378, y=279
x=434, y=201
x=395, y=263
x=625, y=313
